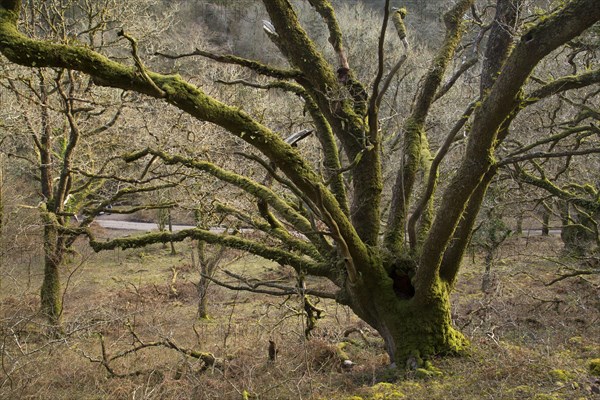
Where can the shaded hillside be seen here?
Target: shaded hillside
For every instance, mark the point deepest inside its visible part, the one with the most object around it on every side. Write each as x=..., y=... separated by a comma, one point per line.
x=237, y=26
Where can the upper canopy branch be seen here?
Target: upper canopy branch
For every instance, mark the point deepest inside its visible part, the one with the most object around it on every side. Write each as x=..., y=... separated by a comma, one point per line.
x=325, y=9
x=319, y=77
x=563, y=84
x=568, y=22
x=185, y=96
x=416, y=147
x=305, y=55
x=249, y=186
x=253, y=65
x=374, y=101
x=345, y=114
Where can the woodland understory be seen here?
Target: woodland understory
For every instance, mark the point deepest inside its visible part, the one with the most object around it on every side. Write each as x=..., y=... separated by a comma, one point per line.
x=358, y=164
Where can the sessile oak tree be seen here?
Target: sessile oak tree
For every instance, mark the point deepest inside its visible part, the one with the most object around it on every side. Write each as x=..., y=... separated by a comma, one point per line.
x=343, y=229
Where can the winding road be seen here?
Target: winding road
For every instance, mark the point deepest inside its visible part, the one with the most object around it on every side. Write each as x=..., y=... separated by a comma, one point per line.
x=107, y=222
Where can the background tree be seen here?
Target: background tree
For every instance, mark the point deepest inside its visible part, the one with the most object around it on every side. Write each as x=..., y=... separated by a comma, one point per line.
x=323, y=215
x=64, y=140
x=556, y=155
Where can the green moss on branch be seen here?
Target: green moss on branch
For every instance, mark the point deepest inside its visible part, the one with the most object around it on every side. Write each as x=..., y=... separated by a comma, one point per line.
x=183, y=95
x=234, y=242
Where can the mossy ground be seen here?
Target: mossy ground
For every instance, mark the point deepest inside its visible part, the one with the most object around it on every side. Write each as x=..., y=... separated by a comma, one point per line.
x=529, y=340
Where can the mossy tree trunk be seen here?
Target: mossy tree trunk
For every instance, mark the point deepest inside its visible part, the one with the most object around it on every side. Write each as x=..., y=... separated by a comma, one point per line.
x=401, y=289
x=412, y=327
x=546, y=212
x=51, y=293
x=49, y=102
x=580, y=231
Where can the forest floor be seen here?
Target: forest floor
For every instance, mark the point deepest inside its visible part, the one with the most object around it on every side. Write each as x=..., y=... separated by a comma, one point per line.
x=530, y=339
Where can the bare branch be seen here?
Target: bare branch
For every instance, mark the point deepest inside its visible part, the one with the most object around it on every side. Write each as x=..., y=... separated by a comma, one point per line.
x=140, y=65
x=464, y=67
x=231, y=241
x=573, y=274
x=372, y=110
x=275, y=289
x=282, y=234
x=544, y=154
x=555, y=138
x=563, y=84
x=388, y=79
x=255, y=66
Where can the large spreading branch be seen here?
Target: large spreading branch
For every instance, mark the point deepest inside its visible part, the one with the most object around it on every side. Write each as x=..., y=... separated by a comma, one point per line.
x=331, y=158
x=191, y=99
x=342, y=112
x=416, y=147
x=563, y=84
x=564, y=194
x=550, y=33
x=255, y=189
x=298, y=262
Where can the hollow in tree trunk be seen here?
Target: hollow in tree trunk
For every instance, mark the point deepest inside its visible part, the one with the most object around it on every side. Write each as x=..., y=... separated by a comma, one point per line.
x=412, y=328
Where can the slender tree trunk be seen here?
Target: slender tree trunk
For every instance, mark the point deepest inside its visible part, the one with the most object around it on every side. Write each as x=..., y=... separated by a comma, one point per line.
x=173, y=252
x=545, y=221
x=204, y=266
x=203, y=298
x=161, y=221
x=486, y=282
x=519, y=227
x=204, y=282
x=50, y=293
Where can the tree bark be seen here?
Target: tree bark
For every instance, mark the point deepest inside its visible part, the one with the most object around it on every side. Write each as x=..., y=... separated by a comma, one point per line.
x=50, y=292
x=545, y=221
x=412, y=330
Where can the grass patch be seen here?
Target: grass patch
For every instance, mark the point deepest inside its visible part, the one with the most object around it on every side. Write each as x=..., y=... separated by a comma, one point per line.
x=530, y=340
